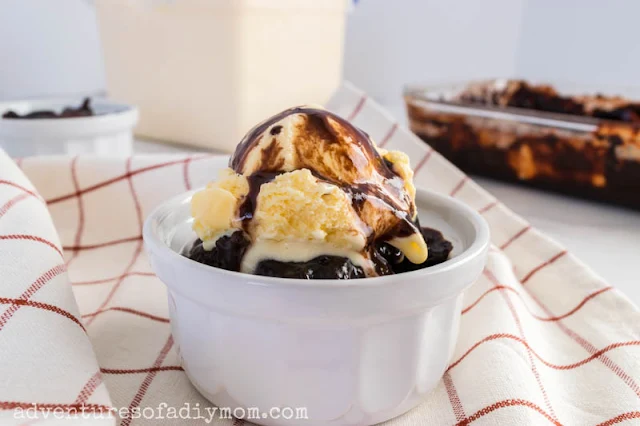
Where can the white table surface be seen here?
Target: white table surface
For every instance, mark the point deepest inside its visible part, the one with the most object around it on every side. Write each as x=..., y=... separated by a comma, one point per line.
x=606, y=238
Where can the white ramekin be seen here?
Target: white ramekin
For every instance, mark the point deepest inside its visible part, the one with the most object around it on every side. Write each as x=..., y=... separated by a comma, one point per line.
x=109, y=132
x=353, y=352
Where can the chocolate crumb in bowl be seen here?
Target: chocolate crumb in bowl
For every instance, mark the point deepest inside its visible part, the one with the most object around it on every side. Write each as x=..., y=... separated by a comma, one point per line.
x=227, y=253
x=308, y=195
x=439, y=250
x=84, y=110
x=321, y=267
x=388, y=260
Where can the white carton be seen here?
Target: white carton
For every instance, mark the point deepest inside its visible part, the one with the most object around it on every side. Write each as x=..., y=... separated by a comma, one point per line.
x=203, y=72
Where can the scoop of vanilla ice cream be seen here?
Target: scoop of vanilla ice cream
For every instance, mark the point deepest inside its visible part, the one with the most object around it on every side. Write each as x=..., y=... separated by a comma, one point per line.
x=296, y=206
x=401, y=165
x=307, y=183
x=214, y=209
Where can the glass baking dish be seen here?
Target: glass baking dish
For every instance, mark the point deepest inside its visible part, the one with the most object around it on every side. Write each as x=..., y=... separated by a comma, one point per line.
x=583, y=156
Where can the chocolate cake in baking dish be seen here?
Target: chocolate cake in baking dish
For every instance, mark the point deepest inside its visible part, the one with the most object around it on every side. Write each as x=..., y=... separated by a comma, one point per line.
x=586, y=145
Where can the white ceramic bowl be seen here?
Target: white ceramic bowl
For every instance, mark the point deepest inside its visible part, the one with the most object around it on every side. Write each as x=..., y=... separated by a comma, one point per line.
x=352, y=352
x=110, y=131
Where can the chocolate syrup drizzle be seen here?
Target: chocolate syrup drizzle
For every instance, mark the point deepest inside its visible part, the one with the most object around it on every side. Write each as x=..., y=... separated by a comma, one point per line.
x=237, y=161
x=248, y=206
x=360, y=192
x=84, y=110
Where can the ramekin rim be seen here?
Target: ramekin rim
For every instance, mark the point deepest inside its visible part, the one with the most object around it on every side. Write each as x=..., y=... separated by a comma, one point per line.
x=477, y=248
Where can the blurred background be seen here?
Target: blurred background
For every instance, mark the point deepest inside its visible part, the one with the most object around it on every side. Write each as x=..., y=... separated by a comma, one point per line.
x=53, y=48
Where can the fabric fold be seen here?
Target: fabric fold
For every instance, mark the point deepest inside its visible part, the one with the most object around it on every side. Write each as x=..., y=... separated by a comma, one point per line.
x=47, y=362
x=543, y=339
